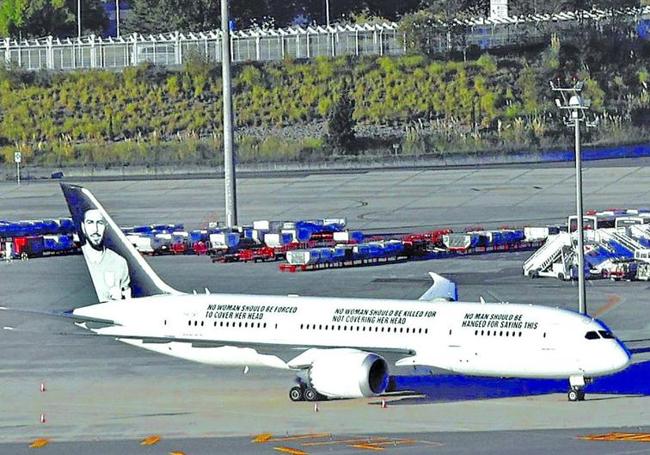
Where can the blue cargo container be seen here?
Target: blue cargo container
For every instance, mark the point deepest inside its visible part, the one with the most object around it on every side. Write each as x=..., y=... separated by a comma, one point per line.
x=58, y=243
x=66, y=226
x=198, y=236
x=339, y=253
x=141, y=229
x=35, y=246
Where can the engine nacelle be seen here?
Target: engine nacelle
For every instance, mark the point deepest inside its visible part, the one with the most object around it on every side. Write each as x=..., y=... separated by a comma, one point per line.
x=348, y=373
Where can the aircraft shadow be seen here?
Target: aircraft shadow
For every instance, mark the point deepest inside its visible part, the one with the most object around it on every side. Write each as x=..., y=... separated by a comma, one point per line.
x=424, y=389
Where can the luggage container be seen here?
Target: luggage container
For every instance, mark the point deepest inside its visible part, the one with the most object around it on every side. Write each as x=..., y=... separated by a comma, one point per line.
x=141, y=229
x=224, y=240
x=66, y=226
x=142, y=243
x=303, y=257
x=199, y=236
x=341, y=253
x=35, y=246
x=338, y=222
x=161, y=243
x=460, y=242
x=277, y=240
x=361, y=251
x=58, y=243
x=536, y=234
x=348, y=236
x=262, y=225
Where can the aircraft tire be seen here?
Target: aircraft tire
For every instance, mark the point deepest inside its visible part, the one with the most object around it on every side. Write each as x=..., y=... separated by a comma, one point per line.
x=296, y=394
x=311, y=394
x=573, y=395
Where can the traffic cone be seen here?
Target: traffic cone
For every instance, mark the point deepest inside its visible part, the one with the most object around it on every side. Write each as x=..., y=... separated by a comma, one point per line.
x=43, y=420
x=383, y=404
x=316, y=407
x=43, y=389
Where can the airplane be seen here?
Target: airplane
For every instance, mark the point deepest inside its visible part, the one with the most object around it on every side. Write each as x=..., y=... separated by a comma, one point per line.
x=338, y=347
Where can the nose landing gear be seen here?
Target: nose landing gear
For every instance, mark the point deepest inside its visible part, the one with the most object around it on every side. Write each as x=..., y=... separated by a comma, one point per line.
x=576, y=395
x=577, y=390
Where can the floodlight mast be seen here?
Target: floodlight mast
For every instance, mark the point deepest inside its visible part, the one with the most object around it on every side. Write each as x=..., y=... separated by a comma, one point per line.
x=572, y=101
x=228, y=156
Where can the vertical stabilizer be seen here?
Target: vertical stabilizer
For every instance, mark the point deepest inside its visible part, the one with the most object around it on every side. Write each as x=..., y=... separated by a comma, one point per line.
x=117, y=270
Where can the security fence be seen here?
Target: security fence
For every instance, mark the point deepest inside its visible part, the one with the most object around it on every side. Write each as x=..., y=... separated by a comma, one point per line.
x=173, y=48
x=294, y=42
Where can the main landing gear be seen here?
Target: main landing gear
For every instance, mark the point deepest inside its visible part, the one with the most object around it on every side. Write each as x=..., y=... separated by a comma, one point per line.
x=304, y=393
x=577, y=390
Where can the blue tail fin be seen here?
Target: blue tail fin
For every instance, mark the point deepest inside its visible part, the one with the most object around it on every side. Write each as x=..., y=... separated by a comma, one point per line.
x=117, y=270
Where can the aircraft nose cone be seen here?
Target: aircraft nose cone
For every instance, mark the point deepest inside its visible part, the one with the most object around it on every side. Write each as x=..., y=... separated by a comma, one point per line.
x=622, y=356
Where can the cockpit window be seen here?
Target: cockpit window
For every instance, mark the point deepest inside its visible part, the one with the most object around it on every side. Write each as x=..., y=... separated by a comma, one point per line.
x=591, y=335
x=606, y=334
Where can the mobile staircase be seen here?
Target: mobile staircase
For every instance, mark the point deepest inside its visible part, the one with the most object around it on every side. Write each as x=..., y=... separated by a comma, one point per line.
x=554, y=258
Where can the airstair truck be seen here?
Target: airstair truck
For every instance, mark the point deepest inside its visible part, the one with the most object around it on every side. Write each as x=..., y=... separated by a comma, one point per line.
x=554, y=259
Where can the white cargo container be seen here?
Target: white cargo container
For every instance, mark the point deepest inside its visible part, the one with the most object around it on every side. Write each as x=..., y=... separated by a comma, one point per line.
x=534, y=234
x=262, y=225
x=303, y=257
x=224, y=240
x=340, y=221
x=141, y=243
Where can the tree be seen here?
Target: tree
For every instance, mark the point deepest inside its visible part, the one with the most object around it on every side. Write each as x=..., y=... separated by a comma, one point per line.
x=58, y=18
x=11, y=15
x=340, y=125
x=159, y=16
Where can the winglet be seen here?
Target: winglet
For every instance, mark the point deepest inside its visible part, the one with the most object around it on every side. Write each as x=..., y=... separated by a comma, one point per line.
x=442, y=289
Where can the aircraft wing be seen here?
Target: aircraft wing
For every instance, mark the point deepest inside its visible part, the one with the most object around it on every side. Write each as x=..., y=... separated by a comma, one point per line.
x=442, y=289
x=285, y=352
x=63, y=315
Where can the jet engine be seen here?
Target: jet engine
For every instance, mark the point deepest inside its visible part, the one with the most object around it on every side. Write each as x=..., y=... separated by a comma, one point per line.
x=348, y=373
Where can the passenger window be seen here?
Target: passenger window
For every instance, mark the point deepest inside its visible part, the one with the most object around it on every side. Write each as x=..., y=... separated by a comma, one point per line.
x=591, y=335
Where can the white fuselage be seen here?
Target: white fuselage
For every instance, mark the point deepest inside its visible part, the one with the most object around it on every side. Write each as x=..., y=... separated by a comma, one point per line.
x=504, y=340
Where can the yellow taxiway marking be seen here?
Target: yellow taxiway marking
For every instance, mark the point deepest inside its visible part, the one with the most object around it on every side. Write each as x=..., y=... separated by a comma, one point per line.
x=150, y=440
x=376, y=448
x=618, y=436
x=346, y=441
x=39, y=443
x=262, y=438
x=298, y=437
x=612, y=302
x=177, y=452
x=290, y=450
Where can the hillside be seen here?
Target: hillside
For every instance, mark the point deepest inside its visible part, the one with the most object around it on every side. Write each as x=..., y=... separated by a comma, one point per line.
x=410, y=105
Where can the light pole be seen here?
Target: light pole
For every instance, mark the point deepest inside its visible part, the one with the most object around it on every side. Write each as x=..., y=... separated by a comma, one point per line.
x=327, y=12
x=228, y=157
x=572, y=101
x=78, y=18
x=117, y=17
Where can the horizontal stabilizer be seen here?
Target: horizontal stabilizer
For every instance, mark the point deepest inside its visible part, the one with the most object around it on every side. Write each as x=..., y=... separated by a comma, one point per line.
x=442, y=289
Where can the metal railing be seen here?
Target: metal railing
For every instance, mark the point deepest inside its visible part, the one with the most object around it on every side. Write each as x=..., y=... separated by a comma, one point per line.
x=172, y=49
